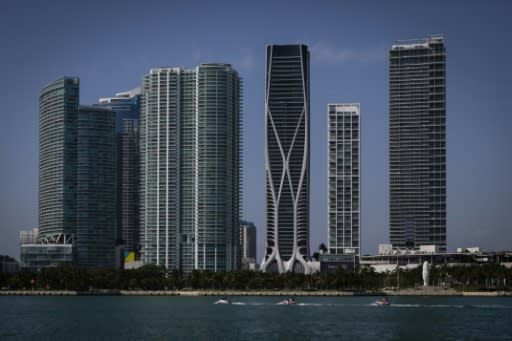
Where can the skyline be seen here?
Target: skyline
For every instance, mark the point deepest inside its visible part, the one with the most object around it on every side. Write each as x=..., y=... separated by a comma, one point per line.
x=351, y=67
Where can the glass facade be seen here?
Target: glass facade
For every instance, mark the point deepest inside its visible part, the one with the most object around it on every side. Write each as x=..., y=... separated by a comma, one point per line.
x=287, y=158
x=58, y=110
x=418, y=143
x=190, y=168
x=76, y=178
x=126, y=106
x=96, y=152
x=344, y=179
x=38, y=256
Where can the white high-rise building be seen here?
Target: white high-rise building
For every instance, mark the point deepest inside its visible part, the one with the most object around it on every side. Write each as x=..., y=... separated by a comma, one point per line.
x=190, y=168
x=344, y=179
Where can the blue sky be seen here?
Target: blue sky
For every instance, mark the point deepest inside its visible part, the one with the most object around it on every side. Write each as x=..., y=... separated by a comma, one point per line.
x=111, y=45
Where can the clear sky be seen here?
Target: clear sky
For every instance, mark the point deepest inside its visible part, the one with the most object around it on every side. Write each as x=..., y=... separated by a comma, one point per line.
x=111, y=45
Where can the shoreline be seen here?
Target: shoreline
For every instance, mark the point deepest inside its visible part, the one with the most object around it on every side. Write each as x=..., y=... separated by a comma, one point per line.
x=430, y=291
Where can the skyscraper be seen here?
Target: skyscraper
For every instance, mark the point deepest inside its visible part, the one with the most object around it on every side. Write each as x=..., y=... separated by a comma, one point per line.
x=287, y=158
x=418, y=143
x=190, y=168
x=126, y=106
x=96, y=210
x=247, y=244
x=344, y=179
x=76, y=177
x=58, y=113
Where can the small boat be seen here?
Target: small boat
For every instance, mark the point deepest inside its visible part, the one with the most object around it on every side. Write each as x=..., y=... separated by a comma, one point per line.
x=223, y=300
x=383, y=301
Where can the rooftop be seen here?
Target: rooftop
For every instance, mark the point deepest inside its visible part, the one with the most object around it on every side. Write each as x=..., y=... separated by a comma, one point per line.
x=417, y=42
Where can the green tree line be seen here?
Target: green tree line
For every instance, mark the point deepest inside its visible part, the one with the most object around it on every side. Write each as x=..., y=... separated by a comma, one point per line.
x=151, y=277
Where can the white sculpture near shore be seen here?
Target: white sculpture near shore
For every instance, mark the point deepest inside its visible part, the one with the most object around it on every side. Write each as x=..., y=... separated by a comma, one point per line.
x=425, y=273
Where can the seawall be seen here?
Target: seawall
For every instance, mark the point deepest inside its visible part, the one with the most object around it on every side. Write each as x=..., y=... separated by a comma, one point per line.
x=195, y=293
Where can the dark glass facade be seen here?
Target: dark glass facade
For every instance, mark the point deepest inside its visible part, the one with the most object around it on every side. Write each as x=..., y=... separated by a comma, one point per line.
x=96, y=152
x=287, y=158
x=130, y=184
x=418, y=143
x=126, y=106
x=58, y=110
x=76, y=179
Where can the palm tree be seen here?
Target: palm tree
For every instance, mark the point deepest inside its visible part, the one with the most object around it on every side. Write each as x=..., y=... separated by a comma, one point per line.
x=322, y=248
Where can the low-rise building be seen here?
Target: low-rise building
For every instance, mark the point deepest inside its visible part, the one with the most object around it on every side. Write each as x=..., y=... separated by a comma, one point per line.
x=47, y=252
x=390, y=258
x=8, y=264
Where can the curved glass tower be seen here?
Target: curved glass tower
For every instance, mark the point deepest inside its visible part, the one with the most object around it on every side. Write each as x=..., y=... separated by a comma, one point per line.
x=76, y=175
x=287, y=158
x=58, y=108
x=190, y=168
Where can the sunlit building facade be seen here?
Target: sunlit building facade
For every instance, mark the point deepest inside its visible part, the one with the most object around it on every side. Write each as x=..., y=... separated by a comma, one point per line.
x=248, y=244
x=190, y=168
x=417, y=149
x=344, y=179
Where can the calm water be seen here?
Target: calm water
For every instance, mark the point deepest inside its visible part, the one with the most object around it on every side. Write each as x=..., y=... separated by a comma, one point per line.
x=254, y=318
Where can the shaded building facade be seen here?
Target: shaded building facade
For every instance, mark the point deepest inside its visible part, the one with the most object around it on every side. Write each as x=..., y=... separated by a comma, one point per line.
x=76, y=179
x=287, y=159
x=417, y=106
x=126, y=106
x=96, y=209
x=58, y=119
x=190, y=168
x=248, y=244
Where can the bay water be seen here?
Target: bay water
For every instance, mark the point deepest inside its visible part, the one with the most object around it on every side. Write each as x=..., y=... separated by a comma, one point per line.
x=254, y=318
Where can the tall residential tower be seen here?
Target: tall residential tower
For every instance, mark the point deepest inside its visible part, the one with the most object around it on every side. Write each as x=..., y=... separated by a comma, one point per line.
x=247, y=244
x=287, y=159
x=344, y=180
x=190, y=168
x=417, y=105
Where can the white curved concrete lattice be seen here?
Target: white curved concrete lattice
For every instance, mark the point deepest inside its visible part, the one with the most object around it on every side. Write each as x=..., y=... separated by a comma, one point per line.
x=287, y=159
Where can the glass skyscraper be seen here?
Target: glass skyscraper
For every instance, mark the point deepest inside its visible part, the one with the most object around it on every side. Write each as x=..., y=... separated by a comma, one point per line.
x=190, y=168
x=96, y=152
x=126, y=106
x=287, y=159
x=58, y=111
x=76, y=176
x=344, y=179
x=417, y=143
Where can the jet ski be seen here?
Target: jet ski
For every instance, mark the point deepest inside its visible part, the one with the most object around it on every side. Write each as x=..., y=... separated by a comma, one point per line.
x=381, y=302
x=223, y=300
x=288, y=301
